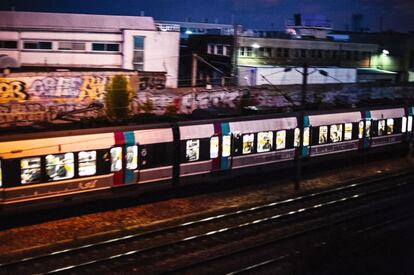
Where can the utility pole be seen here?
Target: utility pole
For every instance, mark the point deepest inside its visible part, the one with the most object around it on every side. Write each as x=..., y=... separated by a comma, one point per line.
x=304, y=84
x=194, y=71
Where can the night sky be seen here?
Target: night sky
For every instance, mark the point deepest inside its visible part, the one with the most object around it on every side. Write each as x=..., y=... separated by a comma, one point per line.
x=260, y=14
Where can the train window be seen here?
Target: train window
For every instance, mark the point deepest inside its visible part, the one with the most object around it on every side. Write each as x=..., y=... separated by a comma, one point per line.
x=306, y=136
x=264, y=141
x=348, y=131
x=116, y=159
x=214, y=147
x=410, y=124
x=296, y=139
x=368, y=128
x=248, y=143
x=87, y=163
x=390, y=126
x=60, y=166
x=131, y=157
x=404, y=124
x=360, y=129
x=30, y=170
x=193, y=149
x=381, y=127
x=335, y=132
x=281, y=139
x=323, y=134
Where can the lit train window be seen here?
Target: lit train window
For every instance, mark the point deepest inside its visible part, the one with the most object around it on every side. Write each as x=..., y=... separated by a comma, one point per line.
x=60, y=166
x=335, y=133
x=360, y=129
x=404, y=124
x=296, y=140
x=390, y=126
x=87, y=163
x=30, y=170
x=410, y=124
x=306, y=136
x=264, y=141
x=368, y=128
x=248, y=143
x=226, y=146
x=116, y=159
x=214, y=147
x=280, y=140
x=131, y=157
x=348, y=131
x=381, y=127
x=323, y=134
x=193, y=150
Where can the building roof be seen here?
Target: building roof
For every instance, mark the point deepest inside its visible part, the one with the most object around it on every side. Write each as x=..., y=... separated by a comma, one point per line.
x=73, y=22
x=374, y=71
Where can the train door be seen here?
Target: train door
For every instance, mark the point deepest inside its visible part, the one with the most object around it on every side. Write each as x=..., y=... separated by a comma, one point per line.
x=124, y=159
x=364, y=131
x=220, y=147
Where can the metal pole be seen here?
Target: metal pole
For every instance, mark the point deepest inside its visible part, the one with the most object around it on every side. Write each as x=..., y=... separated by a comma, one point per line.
x=194, y=71
x=298, y=172
x=304, y=84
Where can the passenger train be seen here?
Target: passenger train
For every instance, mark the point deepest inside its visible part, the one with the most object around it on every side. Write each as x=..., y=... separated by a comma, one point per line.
x=51, y=168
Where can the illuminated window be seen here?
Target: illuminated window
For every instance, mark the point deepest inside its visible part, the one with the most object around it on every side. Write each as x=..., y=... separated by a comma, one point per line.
x=116, y=159
x=214, y=147
x=248, y=143
x=306, y=136
x=226, y=146
x=264, y=141
x=360, y=129
x=368, y=128
x=410, y=124
x=323, y=134
x=281, y=140
x=60, y=166
x=131, y=157
x=404, y=124
x=87, y=163
x=390, y=126
x=296, y=140
x=30, y=170
x=348, y=131
x=193, y=150
x=381, y=127
x=335, y=133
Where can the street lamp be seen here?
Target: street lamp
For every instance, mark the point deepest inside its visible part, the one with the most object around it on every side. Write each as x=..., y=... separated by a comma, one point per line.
x=255, y=46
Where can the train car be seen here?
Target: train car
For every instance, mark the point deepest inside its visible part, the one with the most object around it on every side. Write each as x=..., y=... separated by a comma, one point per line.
x=56, y=167
x=211, y=150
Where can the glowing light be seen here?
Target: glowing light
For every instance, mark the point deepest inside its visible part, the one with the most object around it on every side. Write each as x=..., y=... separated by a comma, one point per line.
x=256, y=46
x=385, y=52
x=188, y=32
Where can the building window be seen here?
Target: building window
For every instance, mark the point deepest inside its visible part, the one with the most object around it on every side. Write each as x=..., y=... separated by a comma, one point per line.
x=4, y=44
x=30, y=170
x=59, y=167
x=303, y=53
x=37, y=45
x=285, y=52
x=71, y=46
x=210, y=49
x=105, y=47
x=219, y=49
x=226, y=50
x=279, y=52
x=192, y=150
x=138, y=55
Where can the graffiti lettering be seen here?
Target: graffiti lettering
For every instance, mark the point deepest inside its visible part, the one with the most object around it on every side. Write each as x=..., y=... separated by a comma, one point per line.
x=13, y=90
x=87, y=185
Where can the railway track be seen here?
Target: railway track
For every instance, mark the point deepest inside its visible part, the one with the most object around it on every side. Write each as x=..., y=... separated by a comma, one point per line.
x=190, y=245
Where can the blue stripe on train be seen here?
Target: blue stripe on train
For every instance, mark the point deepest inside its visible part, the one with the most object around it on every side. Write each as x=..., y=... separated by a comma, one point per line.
x=129, y=141
x=225, y=162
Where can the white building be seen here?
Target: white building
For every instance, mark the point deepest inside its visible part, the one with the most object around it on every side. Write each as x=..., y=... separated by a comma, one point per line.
x=33, y=39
